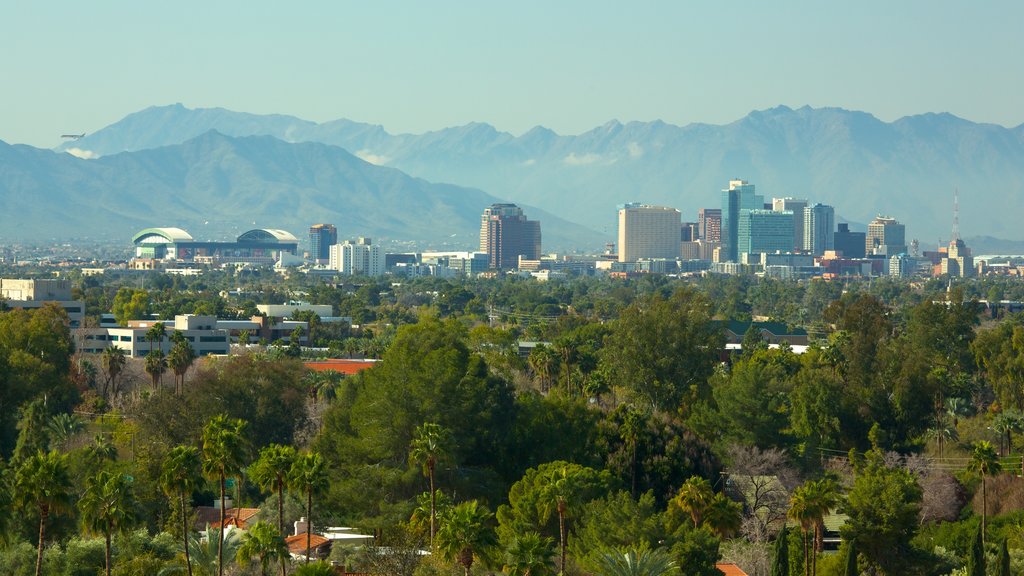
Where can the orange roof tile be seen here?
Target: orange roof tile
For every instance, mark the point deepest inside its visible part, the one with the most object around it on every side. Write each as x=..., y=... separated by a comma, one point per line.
x=730, y=569
x=297, y=543
x=341, y=366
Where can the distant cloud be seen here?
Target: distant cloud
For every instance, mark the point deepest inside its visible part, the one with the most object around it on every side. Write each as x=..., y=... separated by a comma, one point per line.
x=590, y=158
x=530, y=162
x=368, y=156
x=635, y=151
x=83, y=154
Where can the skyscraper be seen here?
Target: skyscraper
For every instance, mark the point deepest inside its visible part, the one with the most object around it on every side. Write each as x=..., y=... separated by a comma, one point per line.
x=506, y=234
x=321, y=238
x=851, y=244
x=361, y=257
x=648, y=232
x=886, y=236
x=738, y=197
x=764, y=231
x=796, y=206
x=819, y=228
x=709, y=224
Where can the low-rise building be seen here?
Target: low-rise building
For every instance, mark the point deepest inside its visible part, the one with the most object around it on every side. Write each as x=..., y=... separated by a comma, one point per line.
x=32, y=294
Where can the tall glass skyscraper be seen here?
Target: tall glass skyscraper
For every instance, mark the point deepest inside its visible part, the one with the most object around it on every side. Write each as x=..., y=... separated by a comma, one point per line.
x=738, y=197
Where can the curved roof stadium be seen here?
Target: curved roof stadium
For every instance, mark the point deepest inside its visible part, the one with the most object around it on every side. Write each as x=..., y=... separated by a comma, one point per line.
x=268, y=235
x=161, y=236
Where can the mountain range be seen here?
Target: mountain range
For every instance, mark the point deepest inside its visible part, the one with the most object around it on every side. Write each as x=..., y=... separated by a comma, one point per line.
x=863, y=166
x=217, y=186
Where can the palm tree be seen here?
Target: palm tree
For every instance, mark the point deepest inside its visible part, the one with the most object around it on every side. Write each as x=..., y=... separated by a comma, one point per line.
x=694, y=498
x=560, y=493
x=42, y=482
x=530, y=554
x=315, y=569
x=62, y=428
x=180, y=359
x=108, y=506
x=801, y=512
x=985, y=462
x=723, y=516
x=270, y=472
x=955, y=408
x=206, y=552
x=224, y=450
x=942, y=433
x=431, y=442
x=543, y=361
x=636, y=562
x=155, y=334
x=309, y=474
x=181, y=473
x=156, y=365
x=264, y=541
x=464, y=533
x=824, y=497
x=113, y=360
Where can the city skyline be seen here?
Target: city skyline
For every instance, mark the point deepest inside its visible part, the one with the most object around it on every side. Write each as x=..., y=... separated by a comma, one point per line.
x=512, y=66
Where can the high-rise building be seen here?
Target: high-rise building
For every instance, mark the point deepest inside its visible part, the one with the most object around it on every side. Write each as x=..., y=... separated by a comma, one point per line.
x=689, y=232
x=361, y=257
x=321, y=238
x=738, y=197
x=819, y=228
x=958, y=260
x=648, y=232
x=506, y=234
x=796, y=206
x=764, y=231
x=709, y=224
x=886, y=236
x=851, y=244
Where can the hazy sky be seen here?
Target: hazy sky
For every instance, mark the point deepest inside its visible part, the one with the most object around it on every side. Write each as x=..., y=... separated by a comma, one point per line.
x=568, y=65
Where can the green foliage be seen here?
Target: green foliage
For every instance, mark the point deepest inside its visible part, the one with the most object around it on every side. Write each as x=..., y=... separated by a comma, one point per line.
x=533, y=501
x=780, y=561
x=976, y=555
x=465, y=534
x=662, y=351
x=616, y=521
x=315, y=569
x=108, y=507
x=697, y=551
x=529, y=554
x=261, y=541
x=636, y=562
x=130, y=304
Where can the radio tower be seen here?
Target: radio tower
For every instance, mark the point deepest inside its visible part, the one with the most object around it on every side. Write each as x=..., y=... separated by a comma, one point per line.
x=956, y=214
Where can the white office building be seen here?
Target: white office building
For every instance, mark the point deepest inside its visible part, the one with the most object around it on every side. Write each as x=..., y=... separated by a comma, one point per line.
x=361, y=257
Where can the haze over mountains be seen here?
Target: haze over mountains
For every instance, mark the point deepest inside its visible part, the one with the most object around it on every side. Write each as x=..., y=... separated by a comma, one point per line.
x=216, y=187
x=863, y=166
x=164, y=166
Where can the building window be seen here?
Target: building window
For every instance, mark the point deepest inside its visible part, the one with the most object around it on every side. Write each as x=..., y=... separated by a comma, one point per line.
x=212, y=339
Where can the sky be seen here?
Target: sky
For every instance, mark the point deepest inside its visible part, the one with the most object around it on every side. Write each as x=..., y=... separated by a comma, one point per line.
x=415, y=66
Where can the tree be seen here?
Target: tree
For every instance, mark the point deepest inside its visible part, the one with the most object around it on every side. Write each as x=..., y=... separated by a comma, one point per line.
x=543, y=361
x=113, y=361
x=430, y=444
x=985, y=462
x=529, y=554
x=637, y=562
x=694, y=497
x=824, y=497
x=883, y=506
x=108, y=506
x=130, y=304
x=976, y=553
x=270, y=472
x=180, y=359
x=723, y=516
x=155, y=335
x=465, y=534
x=181, y=473
x=309, y=474
x=780, y=563
x=62, y=428
x=42, y=482
x=224, y=451
x=262, y=541
x=564, y=485
x=1002, y=567
x=156, y=365
x=801, y=511
x=663, y=351
x=851, y=559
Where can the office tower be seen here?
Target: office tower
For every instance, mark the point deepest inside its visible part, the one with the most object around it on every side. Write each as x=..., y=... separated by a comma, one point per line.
x=321, y=238
x=886, y=236
x=819, y=226
x=506, y=234
x=850, y=244
x=709, y=224
x=796, y=206
x=361, y=257
x=738, y=197
x=958, y=260
x=764, y=231
x=689, y=232
x=648, y=232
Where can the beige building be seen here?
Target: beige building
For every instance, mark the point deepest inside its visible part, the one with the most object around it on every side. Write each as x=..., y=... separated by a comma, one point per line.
x=649, y=232
x=30, y=294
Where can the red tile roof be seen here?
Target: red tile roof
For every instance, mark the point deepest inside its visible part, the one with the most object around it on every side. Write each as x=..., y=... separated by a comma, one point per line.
x=238, y=517
x=297, y=544
x=341, y=366
x=730, y=569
